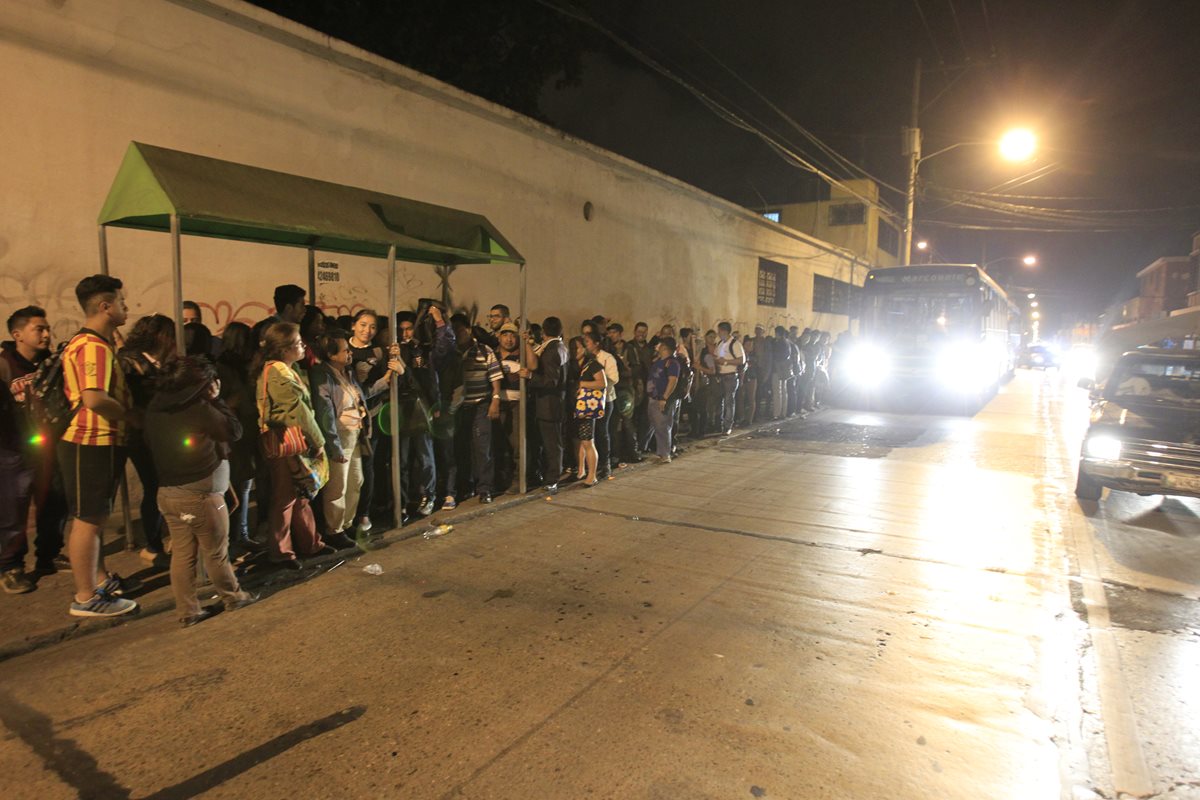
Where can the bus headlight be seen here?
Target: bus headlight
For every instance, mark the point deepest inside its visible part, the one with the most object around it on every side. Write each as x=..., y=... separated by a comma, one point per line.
x=867, y=365
x=1104, y=448
x=965, y=367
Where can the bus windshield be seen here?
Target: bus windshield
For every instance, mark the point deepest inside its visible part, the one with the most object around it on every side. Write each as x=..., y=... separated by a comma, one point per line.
x=904, y=312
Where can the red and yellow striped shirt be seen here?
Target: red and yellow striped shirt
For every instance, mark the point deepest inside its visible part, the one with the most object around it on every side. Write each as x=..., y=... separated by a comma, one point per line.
x=90, y=362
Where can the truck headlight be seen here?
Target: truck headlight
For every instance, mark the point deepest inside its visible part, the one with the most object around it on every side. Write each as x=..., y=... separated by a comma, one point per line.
x=1104, y=448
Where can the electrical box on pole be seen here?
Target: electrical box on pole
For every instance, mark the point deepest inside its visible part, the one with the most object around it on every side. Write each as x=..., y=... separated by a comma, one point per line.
x=910, y=142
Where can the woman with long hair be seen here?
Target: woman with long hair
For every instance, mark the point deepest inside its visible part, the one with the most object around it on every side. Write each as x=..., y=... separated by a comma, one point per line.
x=603, y=432
x=368, y=361
x=341, y=410
x=312, y=328
x=284, y=402
x=189, y=429
x=591, y=377
x=147, y=349
x=237, y=391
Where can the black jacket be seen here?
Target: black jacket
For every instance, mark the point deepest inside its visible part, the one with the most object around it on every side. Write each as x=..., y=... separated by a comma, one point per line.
x=189, y=435
x=548, y=382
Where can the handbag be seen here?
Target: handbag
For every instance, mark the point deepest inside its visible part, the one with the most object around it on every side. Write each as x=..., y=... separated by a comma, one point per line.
x=277, y=441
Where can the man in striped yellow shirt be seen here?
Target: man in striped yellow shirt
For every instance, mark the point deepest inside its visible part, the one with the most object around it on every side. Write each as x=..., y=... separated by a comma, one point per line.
x=91, y=453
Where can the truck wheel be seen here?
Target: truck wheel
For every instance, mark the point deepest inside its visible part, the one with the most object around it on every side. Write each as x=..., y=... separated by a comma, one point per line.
x=1087, y=488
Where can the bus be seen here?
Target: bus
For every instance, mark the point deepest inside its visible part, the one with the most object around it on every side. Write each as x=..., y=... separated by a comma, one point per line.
x=944, y=330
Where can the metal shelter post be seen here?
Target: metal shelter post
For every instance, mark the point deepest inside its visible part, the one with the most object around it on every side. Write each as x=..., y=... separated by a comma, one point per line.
x=177, y=285
x=522, y=419
x=103, y=250
x=312, y=276
x=126, y=523
x=394, y=395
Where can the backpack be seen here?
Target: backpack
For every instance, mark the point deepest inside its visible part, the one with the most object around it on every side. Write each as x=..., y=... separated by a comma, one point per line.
x=46, y=395
x=683, y=387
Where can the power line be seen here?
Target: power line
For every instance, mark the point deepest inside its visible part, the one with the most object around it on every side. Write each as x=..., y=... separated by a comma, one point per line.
x=717, y=108
x=838, y=158
x=987, y=27
x=962, y=40
x=929, y=31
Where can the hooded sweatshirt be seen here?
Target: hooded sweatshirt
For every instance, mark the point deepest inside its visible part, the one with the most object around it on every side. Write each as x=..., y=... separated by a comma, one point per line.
x=13, y=365
x=189, y=435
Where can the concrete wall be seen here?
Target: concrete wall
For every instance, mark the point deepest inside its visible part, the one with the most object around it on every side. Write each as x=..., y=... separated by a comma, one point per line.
x=224, y=79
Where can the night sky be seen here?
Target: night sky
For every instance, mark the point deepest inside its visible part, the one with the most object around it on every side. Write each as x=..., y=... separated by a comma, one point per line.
x=1110, y=87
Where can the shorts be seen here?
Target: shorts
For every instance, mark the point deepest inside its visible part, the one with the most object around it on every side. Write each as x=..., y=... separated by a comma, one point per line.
x=585, y=429
x=90, y=476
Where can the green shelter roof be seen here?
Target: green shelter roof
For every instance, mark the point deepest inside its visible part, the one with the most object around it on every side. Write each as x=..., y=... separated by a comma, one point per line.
x=222, y=199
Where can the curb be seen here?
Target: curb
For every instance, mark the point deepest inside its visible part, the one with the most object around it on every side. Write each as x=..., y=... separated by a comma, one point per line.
x=273, y=581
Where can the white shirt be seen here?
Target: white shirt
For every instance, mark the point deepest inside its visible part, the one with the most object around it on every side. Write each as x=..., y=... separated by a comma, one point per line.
x=609, y=362
x=729, y=348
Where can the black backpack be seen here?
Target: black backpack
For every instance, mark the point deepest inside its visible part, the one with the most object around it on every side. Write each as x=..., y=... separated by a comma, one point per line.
x=46, y=396
x=683, y=387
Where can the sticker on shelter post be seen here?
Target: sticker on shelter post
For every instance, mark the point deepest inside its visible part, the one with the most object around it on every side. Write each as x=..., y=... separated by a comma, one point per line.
x=327, y=272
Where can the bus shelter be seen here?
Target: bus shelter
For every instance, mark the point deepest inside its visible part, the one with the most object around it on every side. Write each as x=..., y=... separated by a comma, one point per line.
x=169, y=191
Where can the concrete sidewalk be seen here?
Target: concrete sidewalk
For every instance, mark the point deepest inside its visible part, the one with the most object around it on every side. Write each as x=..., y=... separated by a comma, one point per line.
x=40, y=619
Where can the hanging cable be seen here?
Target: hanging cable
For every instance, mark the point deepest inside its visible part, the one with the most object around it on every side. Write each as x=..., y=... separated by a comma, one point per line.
x=784, y=152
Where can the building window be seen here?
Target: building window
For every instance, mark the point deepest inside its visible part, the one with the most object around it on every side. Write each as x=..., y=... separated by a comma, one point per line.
x=889, y=238
x=847, y=214
x=772, y=215
x=831, y=296
x=772, y=283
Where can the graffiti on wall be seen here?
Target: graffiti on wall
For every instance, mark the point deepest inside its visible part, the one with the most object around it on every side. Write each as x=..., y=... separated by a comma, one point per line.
x=51, y=289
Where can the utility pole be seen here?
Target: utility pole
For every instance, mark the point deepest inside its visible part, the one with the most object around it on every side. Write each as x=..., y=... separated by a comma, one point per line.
x=911, y=147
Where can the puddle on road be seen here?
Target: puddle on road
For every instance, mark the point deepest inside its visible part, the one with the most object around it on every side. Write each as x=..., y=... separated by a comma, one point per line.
x=1145, y=610
x=1151, y=611
x=830, y=438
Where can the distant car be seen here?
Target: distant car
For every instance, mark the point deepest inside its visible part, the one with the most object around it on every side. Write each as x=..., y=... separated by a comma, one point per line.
x=1038, y=357
x=1145, y=431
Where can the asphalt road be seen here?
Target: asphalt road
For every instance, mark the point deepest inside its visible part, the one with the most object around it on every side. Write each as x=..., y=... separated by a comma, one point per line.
x=860, y=605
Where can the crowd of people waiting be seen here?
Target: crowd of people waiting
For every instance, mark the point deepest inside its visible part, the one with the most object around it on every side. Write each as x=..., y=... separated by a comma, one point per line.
x=294, y=413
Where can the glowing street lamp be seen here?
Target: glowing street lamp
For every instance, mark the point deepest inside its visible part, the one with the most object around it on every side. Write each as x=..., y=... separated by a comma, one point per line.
x=1018, y=144
x=922, y=245
x=1029, y=260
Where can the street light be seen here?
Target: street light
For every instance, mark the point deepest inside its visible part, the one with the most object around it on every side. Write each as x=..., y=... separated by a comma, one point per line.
x=922, y=245
x=1029, y=260
x=1018, y=144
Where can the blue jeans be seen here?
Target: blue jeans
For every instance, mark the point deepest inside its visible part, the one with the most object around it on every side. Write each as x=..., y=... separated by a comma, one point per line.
x=474, y=442
x=16, y=489
x=417, y=467
x=661, y=422
x=728, y=388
